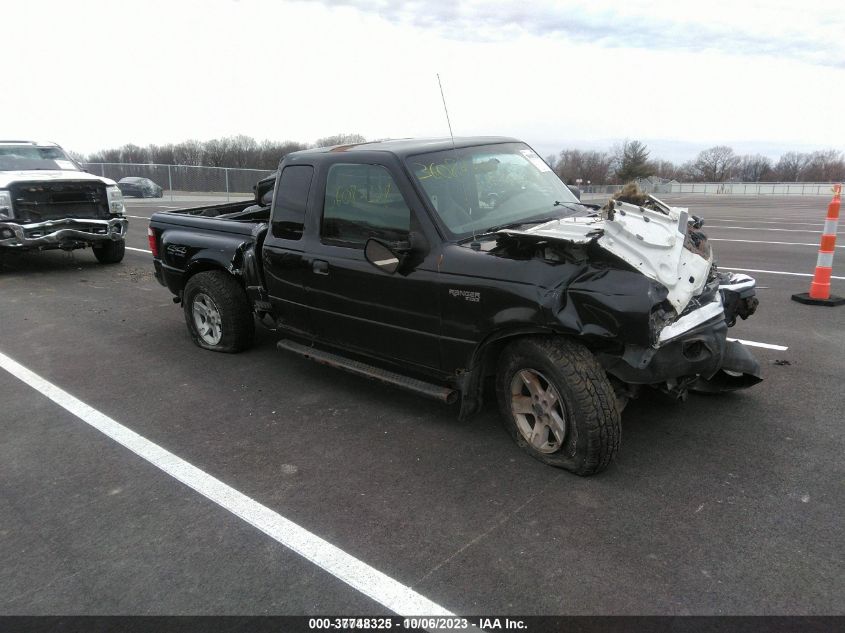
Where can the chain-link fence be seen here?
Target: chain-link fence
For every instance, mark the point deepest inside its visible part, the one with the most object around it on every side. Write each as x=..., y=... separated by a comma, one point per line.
x=753, y=188
x=172, y=181
x=236, y=183
x=722, y=188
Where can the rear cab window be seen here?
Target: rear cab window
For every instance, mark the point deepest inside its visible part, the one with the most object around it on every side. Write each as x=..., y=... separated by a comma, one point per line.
x=288, y=216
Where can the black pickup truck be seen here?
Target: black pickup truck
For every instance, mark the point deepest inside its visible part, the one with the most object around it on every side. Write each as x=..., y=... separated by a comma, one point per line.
x=434, y=265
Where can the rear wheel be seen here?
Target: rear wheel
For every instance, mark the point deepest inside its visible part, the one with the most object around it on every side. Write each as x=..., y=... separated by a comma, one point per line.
x=558, y=405
x=110, y=252
x=217, y=312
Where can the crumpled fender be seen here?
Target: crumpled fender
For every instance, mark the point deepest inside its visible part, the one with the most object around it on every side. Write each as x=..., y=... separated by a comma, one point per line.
x=608, y=303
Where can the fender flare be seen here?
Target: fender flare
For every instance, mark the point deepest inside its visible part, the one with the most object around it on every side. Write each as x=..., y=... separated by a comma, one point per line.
x=483, y=360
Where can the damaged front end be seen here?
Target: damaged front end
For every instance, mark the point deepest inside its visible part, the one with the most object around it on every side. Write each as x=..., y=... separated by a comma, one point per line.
x=60, y=212
x=66, y=233
x=668, y=330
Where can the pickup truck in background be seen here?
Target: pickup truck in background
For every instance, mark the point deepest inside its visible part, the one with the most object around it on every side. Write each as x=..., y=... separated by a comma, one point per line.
x=435, y=265
x=47, y=201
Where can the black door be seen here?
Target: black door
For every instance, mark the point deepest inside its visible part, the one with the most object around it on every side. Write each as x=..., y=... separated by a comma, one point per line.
x=356, y=305
x=283, y=255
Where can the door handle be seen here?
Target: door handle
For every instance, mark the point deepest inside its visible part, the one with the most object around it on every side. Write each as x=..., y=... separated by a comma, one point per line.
x=320, y=267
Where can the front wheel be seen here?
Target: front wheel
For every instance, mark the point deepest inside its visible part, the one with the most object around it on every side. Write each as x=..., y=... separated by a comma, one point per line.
x=217, y=312
x=558, y=404
x=110, y=252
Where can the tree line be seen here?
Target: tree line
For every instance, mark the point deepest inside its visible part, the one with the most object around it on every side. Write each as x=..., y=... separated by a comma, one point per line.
x=624, y=162
x=232, y=151
x=631, y=160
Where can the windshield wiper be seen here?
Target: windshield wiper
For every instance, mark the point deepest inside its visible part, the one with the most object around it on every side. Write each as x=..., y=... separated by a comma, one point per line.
x=572, y=206
x=510, y=225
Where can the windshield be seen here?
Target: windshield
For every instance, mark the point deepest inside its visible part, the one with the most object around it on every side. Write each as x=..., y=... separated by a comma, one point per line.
x=476, y=189
x=23, y=157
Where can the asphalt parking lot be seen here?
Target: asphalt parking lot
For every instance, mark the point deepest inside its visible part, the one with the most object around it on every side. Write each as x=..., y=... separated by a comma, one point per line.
x=721, y=505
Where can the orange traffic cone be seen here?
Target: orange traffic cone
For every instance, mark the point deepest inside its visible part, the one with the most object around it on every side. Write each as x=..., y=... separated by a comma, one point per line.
x=820, y=287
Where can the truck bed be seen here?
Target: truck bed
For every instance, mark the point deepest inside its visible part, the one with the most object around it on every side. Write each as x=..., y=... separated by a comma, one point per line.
x=232, y=217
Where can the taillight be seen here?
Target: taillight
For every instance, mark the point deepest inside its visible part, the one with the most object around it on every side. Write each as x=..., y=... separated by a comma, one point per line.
x=151, y=237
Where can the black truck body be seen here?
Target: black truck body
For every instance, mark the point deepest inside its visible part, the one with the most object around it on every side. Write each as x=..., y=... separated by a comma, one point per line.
x=433, y=297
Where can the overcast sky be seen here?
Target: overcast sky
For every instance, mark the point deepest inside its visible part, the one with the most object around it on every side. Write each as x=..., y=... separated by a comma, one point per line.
x=761, y=76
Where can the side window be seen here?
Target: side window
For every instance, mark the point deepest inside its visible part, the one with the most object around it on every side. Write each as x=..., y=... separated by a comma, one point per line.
x=288, y=216
x=363, y=201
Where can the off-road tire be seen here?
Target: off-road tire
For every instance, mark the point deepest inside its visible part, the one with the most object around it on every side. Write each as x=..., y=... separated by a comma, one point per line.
x=592, y=418
x=228, y=297
x=110, y=252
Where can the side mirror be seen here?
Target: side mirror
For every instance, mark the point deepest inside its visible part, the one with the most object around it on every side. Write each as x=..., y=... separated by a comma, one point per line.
x=381, y=256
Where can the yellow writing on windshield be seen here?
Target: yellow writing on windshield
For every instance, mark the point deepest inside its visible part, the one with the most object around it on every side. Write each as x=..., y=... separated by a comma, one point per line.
x=444, y=170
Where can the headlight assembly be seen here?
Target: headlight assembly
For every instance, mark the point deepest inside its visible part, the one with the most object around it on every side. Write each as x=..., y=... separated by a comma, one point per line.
x=5, y=204
x=115, y=200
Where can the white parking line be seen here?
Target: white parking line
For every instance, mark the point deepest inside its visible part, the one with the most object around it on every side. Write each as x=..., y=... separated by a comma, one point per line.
x=772, y=272
x=781, y=348
x=140, y=250
x=724, y=239
x=138, y=217
x=790, y=222
x=757, y=228
x=383, y=589
x=707, y=218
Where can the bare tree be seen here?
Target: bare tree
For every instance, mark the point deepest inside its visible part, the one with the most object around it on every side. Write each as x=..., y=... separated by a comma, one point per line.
x=590, y=166
x=243, y=151
x=216, y=152
x=162, y=154
x=271, y=153
x=754, y=168
x=790, y=166
x=188, y=153
x=824, y=166
x=339, y=139
x=109, y=156
x=664, y=169
x=130, y=153
x=716, y=164
x=686, y=172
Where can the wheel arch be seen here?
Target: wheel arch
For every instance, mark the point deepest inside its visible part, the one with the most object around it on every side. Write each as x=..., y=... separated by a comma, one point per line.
x=201, y=265
x=484, y=360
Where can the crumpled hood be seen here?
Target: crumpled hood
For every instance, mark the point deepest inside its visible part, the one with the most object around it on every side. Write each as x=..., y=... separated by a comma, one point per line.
x=650, y=241
x=9, y=177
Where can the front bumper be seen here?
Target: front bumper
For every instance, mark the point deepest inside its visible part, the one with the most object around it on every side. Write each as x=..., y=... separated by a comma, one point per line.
x=59, y=233
x=697, y=352
x=693, y=349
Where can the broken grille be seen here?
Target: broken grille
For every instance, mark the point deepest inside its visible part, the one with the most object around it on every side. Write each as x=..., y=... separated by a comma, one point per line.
x=36, y=202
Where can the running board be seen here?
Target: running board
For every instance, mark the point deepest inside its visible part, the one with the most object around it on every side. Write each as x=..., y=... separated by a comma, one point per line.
x=443, y=394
